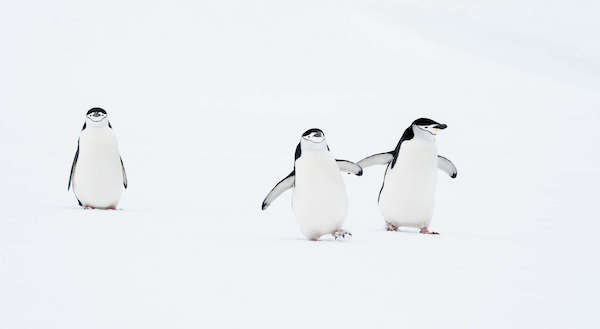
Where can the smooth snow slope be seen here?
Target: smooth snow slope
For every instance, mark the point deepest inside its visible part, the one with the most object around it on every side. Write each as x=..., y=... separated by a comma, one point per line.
x=208, y=100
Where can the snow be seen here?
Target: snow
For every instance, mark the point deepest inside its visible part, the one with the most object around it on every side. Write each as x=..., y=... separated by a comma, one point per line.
x=208, y=101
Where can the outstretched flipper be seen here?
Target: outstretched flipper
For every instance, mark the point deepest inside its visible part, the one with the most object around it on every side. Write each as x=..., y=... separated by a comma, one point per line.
x=447, y=166
x=73, y=166
x=284, y=185
x=349, y=167
x=377, y=159
x=124, y=173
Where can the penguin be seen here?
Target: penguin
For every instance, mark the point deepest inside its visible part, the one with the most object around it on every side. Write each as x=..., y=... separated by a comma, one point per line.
x=319, y=200
x=406, y=197
x=97, y=172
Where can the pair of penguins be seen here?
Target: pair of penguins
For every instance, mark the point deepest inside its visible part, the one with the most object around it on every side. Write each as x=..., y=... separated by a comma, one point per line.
x=406, y=197
x=319, y=201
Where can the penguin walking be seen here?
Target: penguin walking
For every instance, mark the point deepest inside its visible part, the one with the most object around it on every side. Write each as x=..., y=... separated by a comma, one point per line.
x=97, y=172
x=406, y=198
x=319, y=202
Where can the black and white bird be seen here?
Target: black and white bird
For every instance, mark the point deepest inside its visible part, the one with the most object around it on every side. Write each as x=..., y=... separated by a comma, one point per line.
x=97, y=174
x=319, y=202
x=407, y=195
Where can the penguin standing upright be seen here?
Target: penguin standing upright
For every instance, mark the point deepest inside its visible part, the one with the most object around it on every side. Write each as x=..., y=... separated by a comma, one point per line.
x=319, y=202
x=406, y=198
x=97, y=173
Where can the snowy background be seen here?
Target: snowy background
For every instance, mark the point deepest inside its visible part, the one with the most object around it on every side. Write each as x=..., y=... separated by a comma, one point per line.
x=208, y=100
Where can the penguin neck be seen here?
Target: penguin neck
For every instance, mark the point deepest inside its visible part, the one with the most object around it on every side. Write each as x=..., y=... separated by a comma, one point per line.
x=91, y=124
x=423, y=135
x=309, y=146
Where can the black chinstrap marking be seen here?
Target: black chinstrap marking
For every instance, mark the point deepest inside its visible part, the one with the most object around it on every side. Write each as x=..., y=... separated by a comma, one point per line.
x=425, y=130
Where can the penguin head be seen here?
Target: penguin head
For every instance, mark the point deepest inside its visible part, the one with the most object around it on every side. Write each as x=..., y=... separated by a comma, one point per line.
x=96, y=117
x=428, y=126
x=313, y=139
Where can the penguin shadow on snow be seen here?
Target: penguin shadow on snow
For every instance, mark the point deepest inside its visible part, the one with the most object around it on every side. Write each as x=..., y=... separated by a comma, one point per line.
x=356, y=239
x=90, y=210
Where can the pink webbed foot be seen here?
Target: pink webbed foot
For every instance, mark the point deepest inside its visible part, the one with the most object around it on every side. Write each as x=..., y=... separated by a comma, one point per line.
x=341, y=235
x=425, y=230
x=390, y=227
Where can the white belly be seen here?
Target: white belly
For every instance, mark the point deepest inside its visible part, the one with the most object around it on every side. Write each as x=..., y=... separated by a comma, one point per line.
x=407, y=197
x=320, y=202
x=98, y=177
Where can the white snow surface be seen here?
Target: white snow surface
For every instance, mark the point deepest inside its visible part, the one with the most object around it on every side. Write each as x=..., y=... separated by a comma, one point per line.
x=208, y=100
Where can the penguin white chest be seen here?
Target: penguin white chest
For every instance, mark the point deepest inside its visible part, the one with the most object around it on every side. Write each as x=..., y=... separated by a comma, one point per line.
x=408, y=193
x=98, y=177
x=320, y=202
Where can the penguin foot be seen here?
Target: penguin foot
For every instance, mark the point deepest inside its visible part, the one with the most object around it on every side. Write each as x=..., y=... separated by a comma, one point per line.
x=341, y=235
x=87, y=207
x=425, y=230
x=390, y=227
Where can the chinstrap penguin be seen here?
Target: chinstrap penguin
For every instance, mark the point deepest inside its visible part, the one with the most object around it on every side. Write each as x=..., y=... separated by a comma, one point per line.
x=406, y=197
x=319, y=199
x=97, y=172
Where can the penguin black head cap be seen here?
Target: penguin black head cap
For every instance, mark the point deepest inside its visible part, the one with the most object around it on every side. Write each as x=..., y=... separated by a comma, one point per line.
x=96, y=109
x=318, y=132
x=429, y=122
x=424, y=122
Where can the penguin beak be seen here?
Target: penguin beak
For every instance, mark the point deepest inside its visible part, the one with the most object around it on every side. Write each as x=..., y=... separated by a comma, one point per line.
x=440, y=126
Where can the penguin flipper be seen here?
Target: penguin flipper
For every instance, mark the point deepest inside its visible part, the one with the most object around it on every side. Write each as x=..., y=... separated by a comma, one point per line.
x=124, y=173
x=349, y=167
x=447, y=166
x=284, y=185
x=377, y=159
x=73, y=166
